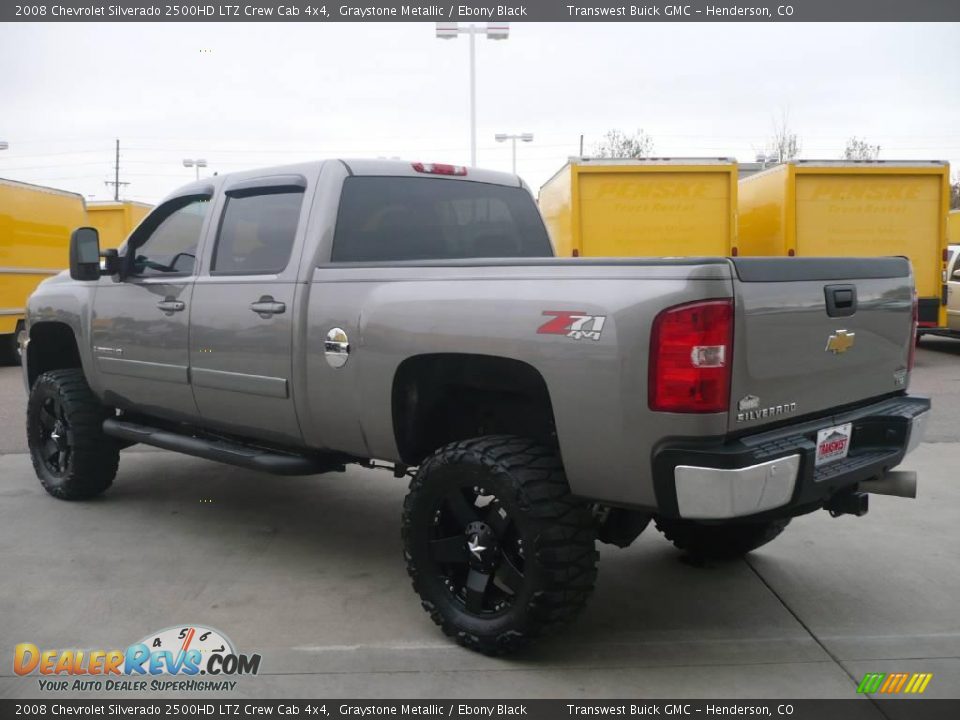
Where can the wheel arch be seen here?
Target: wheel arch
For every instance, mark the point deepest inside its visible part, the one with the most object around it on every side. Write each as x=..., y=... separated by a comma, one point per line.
x=53, y=346
x=438, y=398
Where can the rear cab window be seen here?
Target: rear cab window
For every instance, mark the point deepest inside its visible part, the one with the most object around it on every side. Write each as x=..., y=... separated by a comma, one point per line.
x=384, y=219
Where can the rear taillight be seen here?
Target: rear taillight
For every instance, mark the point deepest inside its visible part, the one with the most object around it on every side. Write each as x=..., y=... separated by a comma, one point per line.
x=691, y=349
x=913, y=334
x=439, y=169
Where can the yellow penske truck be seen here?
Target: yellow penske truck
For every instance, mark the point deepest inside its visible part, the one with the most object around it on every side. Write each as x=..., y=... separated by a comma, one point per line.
x=35, y=227
x=642, y=207
x=824, y=208
x=114, y=220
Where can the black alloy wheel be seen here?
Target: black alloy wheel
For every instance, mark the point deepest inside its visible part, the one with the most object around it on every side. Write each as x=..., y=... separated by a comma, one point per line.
x=477, y=549
x=55, y=433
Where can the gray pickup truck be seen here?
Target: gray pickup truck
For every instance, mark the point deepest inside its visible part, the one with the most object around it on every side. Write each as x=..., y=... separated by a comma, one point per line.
x=297, y=319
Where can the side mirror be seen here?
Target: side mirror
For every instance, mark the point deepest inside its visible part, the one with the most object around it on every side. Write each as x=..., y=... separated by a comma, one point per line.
x=85, y=254
x=111, y=264
x=956, y=274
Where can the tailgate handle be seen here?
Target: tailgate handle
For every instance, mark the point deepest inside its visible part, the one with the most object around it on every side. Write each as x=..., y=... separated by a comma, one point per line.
x=841, y=300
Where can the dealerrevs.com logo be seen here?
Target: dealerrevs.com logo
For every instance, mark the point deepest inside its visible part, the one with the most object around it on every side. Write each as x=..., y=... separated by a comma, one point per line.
x=186, y=651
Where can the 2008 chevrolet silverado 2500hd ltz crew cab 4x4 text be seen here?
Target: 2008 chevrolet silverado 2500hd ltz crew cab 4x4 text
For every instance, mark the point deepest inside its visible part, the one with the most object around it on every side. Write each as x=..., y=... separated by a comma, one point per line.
x=296, y=319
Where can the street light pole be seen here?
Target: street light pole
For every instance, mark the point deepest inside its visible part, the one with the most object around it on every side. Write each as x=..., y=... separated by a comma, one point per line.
x=524, y=137
x=473, y=94
x=493, y=31
x=195, y=163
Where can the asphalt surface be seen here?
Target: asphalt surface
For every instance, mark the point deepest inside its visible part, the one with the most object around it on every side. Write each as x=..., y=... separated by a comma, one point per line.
x=308, y=573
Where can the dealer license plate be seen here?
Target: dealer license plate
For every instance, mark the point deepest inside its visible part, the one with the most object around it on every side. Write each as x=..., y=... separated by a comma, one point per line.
x=833, y=443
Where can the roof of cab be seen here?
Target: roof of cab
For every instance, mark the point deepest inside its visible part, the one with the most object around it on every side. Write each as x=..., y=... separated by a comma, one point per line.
x=405, y=168
x=358, y=167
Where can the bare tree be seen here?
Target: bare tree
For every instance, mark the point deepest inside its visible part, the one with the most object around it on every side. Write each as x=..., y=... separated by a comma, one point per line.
x=618, y=144
x=858, y=149
x=784, y=145
x=955, y=193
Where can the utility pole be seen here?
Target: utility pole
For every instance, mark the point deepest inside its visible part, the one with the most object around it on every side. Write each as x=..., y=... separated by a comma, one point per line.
x=116, y=175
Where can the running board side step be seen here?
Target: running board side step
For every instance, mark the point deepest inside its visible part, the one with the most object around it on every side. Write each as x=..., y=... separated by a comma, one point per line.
x=221, y=450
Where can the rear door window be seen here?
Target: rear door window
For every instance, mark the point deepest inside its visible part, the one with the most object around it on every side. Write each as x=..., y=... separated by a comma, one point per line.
x=256, y=233
x=403, y=218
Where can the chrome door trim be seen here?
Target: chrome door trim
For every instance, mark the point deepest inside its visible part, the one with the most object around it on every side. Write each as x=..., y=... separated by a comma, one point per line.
x=240, y=382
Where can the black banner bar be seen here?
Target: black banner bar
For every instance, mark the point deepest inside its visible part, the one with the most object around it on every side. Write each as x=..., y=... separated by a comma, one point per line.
x=473, y=11
x=853, y=709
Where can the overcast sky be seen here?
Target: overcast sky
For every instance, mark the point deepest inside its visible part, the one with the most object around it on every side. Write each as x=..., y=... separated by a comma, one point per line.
x=245, y=95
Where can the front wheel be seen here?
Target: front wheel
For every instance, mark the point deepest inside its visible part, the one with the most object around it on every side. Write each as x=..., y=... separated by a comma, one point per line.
x=720, y=542
x=72, y=457
x=497, y=549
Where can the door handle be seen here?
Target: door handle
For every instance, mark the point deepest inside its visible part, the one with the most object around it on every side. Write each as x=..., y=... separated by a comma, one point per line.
x=171, y=306
x=267, y=306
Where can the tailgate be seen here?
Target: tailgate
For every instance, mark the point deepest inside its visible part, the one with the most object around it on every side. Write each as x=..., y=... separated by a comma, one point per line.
x=814, y=334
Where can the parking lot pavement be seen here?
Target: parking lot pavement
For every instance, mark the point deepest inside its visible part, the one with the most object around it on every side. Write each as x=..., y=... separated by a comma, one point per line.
x=12, y=406
x=308, y=572
x=937, y=375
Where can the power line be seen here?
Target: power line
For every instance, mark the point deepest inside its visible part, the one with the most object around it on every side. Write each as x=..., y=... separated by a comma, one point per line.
x=331, y=152
x=51, y=167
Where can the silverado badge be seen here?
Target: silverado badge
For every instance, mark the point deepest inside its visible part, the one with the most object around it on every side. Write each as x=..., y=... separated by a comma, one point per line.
x=840, y=342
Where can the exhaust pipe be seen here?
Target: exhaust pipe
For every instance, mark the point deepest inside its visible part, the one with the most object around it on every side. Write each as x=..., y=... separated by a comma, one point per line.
x=899, y=483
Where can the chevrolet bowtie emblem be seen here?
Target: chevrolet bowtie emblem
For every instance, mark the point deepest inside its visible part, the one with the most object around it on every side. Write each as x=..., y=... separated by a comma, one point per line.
x=840, y=342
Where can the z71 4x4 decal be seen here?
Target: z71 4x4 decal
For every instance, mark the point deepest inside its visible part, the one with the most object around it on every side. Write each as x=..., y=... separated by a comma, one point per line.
x=574, y=324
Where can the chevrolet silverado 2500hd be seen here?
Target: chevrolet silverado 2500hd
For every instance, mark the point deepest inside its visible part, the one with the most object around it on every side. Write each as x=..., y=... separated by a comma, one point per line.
x=297, y=319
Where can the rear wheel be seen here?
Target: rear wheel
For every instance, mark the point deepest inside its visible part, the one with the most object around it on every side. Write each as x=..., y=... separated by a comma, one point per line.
x=720, y=542
x=497, y=549
x=72, y=457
